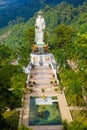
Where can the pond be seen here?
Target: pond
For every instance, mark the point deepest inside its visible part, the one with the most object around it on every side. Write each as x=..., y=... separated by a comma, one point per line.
x=44, y=114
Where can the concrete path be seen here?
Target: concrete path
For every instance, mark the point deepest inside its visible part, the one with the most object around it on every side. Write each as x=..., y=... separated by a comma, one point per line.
x=64, y=109
x=77, y=108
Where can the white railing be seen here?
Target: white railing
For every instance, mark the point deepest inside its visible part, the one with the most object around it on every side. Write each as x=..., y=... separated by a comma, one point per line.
x=28, y=72
x=55, y=72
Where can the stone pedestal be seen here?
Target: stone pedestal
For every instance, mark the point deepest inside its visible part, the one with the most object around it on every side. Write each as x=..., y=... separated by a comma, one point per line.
x=40, y=59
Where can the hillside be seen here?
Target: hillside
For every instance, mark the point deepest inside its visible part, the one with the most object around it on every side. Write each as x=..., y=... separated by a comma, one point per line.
x=62, y=13
x=11, y=9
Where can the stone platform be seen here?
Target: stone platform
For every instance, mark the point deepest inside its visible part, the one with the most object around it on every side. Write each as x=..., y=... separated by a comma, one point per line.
x=44, y=58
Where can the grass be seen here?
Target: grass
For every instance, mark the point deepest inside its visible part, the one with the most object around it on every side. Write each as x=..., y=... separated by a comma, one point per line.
x=80, y=116
x=12, y=119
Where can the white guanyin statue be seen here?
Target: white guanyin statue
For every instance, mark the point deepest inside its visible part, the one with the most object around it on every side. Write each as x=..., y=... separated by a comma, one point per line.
x=39, y=29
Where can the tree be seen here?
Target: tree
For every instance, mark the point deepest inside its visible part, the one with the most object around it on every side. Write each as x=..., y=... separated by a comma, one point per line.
x=29, y=35
x=24, y=51
x=5, y=54
x=64, y=35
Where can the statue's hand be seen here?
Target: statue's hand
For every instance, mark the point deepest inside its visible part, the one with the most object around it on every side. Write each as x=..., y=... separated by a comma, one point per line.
x=37, y=27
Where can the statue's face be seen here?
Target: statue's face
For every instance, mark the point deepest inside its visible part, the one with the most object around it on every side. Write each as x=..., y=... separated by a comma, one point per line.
x=40, y=16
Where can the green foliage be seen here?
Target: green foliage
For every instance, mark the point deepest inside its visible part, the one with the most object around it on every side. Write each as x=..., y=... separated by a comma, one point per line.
x=24, y=128
x=17, y=86
x=77, y=50
x=59, y=56
x=73, y=83
x=11, y=78
x=6, y=71
x=5, y=54
x=64, y=35
x=75, y=125
x=11, y=91
x=13, y=36
x=12, y=119
x=24, y=51
x=29, y=35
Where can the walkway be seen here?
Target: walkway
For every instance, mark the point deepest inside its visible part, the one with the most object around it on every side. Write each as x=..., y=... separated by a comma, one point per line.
x=42, y=75
x=77, y=108
x=64, y=109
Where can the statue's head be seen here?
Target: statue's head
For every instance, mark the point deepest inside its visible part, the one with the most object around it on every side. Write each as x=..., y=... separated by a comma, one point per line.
x=40, y=13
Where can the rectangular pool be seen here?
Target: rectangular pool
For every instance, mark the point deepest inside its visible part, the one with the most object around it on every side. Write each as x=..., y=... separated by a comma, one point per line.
x=44, y=114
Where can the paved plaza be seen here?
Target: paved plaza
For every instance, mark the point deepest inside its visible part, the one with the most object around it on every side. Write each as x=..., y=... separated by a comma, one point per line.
x=42, y=75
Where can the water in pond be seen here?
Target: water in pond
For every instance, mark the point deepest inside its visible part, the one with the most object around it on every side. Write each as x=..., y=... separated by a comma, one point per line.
x=44, y=114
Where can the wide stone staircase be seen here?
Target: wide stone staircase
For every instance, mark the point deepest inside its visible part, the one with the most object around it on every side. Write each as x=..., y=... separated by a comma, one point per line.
x=42, y=76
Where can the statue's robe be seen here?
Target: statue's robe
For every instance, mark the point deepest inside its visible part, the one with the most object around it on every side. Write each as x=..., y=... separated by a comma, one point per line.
x=39, y=30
